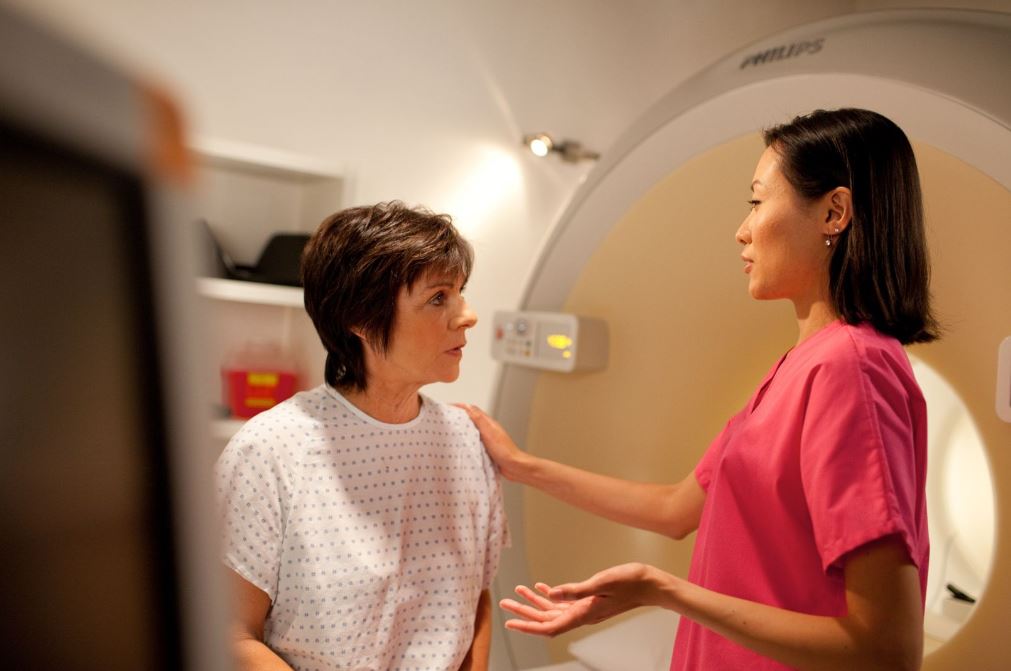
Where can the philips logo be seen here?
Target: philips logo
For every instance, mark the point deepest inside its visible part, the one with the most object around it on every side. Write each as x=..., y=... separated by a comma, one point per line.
x=783, y=52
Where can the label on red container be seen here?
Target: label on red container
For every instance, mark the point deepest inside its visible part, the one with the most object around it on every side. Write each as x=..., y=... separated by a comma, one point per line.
x=262, y=379
x=250, y=392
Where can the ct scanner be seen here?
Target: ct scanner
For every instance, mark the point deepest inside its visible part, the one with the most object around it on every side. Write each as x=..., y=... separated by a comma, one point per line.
x=647, y=245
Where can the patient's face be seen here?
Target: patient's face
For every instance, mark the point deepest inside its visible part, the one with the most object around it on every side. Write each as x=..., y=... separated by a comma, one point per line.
x=429, y=333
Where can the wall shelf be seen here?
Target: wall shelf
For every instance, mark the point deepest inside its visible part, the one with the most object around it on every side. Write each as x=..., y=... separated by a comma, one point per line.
x=250, y=292
x=246, y=194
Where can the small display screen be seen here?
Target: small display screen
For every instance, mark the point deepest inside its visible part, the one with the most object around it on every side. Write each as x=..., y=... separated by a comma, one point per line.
x=554, y=341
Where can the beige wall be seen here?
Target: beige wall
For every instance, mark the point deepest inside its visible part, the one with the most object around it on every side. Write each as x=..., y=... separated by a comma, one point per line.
x=689, y=345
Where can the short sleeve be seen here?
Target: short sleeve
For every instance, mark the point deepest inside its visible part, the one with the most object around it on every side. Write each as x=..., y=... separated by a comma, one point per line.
x=498, y=525
x=706, y=467
x=858, y=458
x=249, y=501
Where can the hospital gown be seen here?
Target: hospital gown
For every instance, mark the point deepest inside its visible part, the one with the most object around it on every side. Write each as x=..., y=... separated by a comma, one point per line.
x=372, y=540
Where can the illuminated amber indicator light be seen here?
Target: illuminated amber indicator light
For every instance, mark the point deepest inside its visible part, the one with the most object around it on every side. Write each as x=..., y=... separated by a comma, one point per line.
x=559, y=341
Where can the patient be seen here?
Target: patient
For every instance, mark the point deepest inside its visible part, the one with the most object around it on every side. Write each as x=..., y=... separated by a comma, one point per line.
x=363, y=521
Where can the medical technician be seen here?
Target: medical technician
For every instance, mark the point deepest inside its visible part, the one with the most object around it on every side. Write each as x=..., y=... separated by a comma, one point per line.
x=812, y=540
x=363, y=521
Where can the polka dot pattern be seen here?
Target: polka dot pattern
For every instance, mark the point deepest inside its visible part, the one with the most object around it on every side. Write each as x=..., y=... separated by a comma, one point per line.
x=373, y=541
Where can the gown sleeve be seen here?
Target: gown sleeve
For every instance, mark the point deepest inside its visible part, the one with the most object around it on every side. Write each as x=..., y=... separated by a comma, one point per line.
x=249, y=488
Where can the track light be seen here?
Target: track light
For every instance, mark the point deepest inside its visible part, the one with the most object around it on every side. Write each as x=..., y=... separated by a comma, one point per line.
x=542, y=144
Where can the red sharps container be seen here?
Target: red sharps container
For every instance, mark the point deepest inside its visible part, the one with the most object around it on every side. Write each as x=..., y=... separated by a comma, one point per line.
x=257, y=377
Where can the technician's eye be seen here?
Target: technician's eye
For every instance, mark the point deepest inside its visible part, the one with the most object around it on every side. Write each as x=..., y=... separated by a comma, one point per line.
x=753, y=203
x=438, y=299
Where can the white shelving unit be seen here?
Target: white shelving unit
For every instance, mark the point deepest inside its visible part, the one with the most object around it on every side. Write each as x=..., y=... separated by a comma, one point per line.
x=246, y=194
x=250, y=292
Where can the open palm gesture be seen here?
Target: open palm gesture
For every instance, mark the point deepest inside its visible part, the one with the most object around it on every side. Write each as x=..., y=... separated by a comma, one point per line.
x=550, y=611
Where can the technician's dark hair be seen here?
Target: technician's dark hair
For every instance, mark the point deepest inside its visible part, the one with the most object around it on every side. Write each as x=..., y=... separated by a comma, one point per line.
x=879, y=270
x=353, y=269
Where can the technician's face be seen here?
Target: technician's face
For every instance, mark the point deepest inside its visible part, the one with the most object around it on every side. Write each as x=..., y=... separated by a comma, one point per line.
x=428, y=332
x=784, y=249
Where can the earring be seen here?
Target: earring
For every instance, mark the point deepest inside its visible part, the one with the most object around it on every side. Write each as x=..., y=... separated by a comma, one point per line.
x=828, y=242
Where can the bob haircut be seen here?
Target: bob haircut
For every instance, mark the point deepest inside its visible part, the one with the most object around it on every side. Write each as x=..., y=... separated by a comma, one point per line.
x=879, y=271
x=353, y=269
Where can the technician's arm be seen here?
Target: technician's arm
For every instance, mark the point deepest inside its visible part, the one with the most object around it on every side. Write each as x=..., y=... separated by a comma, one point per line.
x=882, y=630
x=477, y=656
x=251, y=605
x=671, y=510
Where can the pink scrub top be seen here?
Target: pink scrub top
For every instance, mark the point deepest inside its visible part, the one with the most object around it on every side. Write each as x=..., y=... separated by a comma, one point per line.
x=829, y=454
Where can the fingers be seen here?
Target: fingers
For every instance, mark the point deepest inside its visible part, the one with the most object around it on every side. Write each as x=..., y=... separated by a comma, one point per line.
x=536, y=599
x=609, y=581
x=528, y=612
x=476, y=414
x=570, y=591
x=472, y=411
x=552, y=628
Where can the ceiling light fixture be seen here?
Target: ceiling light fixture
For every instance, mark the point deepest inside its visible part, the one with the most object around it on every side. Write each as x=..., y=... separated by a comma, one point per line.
x=542, y=144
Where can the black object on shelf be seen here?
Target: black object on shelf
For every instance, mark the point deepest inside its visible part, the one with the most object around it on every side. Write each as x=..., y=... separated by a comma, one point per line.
x=278, y=263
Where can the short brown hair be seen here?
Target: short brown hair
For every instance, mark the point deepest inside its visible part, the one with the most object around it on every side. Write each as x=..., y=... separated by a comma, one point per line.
x=879, y=271
x=354, y=267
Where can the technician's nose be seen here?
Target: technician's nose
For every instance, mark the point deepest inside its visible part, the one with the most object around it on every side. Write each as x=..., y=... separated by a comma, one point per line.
x=743, y=234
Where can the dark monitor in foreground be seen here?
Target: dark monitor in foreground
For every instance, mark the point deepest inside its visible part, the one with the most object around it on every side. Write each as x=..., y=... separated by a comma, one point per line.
x=102, y=566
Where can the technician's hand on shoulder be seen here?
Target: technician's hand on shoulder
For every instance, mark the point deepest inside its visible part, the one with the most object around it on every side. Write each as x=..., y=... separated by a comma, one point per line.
x=500, y=447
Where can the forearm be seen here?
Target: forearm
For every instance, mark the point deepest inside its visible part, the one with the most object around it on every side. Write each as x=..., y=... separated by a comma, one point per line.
x=643, y=505
x=672, y=510
x=251, y=654
x=480, y=647
x=796, y=639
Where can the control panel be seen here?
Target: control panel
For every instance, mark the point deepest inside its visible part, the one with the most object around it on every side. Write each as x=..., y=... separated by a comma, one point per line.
x=554, y=341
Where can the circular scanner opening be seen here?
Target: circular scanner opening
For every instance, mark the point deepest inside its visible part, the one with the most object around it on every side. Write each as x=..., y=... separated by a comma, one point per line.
x=960, y=508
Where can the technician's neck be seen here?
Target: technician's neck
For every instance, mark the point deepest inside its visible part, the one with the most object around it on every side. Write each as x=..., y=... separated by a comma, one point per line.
x=813, y=317
x=388, y=402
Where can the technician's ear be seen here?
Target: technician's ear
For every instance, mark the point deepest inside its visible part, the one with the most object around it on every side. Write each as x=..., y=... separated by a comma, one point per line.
x=839, y=210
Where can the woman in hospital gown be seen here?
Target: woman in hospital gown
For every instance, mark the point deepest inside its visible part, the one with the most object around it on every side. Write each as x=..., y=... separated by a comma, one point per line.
x=812, y=543
x=363, y=521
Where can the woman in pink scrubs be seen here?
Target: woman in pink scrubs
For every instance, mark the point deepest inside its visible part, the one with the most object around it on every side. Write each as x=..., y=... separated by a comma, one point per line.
x=812, y=543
